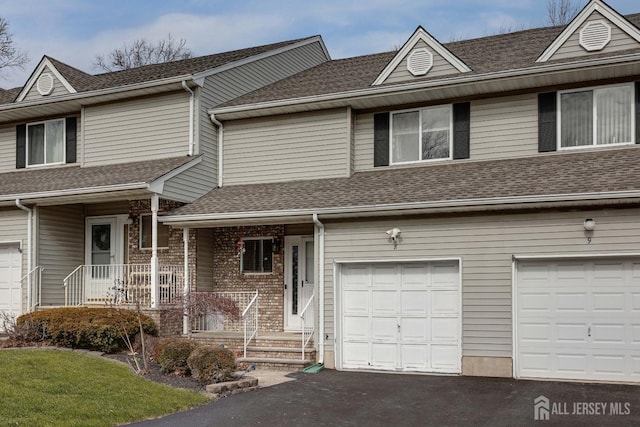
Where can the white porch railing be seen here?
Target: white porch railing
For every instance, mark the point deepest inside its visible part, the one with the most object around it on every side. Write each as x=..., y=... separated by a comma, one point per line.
x=307, y=331
x=33, y=279
x=122, y=284
x=250, y=320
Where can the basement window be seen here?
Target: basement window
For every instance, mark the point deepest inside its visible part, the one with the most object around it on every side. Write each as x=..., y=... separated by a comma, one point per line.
x=257, y=255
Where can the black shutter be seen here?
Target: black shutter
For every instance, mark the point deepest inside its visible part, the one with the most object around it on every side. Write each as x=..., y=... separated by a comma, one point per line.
x=461, y=130
x=71, y=131
x=637, y=112
x=381, y=139
x=21, y=146
x=547, y=119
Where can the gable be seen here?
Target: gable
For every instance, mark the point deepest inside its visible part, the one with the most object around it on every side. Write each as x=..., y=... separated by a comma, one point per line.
x=45, y=81
x=421, y=56
x=596, y=30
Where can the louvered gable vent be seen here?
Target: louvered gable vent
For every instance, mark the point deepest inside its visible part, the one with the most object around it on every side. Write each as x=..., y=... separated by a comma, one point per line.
x=44, y=85
x=595, y=36
x=419, y=62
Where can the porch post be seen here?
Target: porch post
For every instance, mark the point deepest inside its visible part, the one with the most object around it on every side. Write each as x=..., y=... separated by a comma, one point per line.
x=185, y=293
x=154, y=250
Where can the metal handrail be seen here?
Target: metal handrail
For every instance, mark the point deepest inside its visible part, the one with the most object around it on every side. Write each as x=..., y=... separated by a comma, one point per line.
x=245, y=313
x=306, y=334
x=37, y=289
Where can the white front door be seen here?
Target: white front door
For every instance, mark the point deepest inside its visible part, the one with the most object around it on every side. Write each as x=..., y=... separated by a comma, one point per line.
x=10, y=290
x=104, y=251
x=299, y=281
x=579, y=319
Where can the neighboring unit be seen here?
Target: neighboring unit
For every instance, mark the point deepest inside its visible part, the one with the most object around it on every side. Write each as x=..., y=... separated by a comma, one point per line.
x=468, y=207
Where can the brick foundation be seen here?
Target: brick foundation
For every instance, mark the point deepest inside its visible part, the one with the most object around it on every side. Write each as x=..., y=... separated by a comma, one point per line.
x=228, y=278
x=168, y=320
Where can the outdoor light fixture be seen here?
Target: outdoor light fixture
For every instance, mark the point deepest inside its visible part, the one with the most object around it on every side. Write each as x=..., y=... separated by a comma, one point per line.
x=589, y=224
x=275, y=246
x=394, y=236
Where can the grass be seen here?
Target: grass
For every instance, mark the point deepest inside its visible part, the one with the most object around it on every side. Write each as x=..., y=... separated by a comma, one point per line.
x=63, y=388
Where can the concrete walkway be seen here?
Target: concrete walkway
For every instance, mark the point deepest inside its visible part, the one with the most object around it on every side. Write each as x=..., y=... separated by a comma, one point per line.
x=333, y=398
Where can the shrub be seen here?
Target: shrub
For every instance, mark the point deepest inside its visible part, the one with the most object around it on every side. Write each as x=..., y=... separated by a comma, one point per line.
x=211, y=364
x=101, y=329
x=172, y=353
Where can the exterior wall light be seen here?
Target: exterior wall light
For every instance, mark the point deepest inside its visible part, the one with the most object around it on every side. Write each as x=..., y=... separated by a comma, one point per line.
x=589, y=224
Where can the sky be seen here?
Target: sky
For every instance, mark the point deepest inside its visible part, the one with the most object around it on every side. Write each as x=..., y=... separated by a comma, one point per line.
x=75, y=31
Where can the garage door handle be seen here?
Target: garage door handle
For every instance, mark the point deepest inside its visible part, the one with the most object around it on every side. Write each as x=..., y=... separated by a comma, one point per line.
x=589, y=331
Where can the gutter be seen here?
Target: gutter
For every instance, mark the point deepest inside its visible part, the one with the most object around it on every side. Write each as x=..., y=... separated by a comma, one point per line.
x=218, y=123
x=320, y=226
x=192, y=97
x=30, y=246
x=414, y=207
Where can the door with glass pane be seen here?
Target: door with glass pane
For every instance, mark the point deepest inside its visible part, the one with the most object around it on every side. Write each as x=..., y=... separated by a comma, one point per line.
x=101, y=258
x=299, y=281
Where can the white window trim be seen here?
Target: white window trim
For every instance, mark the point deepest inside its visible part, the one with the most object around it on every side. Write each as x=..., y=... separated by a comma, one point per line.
x=256, y=273
x=595, y=144
x=140, y=234
x=419, y=110
x=64, y=143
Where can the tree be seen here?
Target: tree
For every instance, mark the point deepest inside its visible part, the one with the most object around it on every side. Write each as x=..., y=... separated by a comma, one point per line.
x=143, y=52
x=9, y=55
x=561, y=12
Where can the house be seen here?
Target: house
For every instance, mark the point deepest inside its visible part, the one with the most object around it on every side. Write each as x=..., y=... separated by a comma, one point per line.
x=88, y=161
x=467, y=207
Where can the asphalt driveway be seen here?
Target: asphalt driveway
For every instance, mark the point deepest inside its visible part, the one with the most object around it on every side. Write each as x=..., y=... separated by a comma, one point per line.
x=333, y=398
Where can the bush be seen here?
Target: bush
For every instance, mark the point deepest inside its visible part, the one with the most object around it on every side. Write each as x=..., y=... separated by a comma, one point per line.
x=172, y=353
x=101, y=329
x=211, y=364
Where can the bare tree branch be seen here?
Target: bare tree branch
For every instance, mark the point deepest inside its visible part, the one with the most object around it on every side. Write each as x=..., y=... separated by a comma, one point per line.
x=561, y=12
x=9, y=56
x=143, y=52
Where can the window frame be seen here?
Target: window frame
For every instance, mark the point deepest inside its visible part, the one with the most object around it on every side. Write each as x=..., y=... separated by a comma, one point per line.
x=594, y=128
x=141, y=228
x=270, y=239
x=64, y=143
x=420, y=110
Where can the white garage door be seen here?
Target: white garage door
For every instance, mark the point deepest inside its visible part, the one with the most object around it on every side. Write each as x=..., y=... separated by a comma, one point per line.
x=579, y=319
x=10, y=270
x=401, y=317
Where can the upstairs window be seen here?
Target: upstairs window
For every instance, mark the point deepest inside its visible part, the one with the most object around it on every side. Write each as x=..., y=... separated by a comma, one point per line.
x=46, y=143
x=599, y=116
x=257, y=255
x=420, y=135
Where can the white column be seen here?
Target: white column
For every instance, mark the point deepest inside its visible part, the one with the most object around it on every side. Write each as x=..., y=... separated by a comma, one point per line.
x=185, y=293
x=154, y=250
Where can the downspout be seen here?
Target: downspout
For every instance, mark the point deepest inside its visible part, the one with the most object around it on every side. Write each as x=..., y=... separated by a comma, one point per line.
x=220, y=145
x=320, y=226
x=30, y=248
x=191, y=112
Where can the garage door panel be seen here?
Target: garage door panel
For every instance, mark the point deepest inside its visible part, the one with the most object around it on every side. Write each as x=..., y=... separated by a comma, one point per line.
x=10, y=285
x=590, y=329
x=409, y=318
x=444, y=302
x=414, y=330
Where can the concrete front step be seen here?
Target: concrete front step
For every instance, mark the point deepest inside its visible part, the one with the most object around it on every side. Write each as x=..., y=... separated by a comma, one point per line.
x=280, y=352
x=274, y=362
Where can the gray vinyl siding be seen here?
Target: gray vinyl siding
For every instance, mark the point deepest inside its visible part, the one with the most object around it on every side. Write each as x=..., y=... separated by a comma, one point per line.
x=292, y=147
x=139, y=129
x=363, y=142
x=7, y=148
x=58, y=88
x=572, y=49
x=441, y=67
x=504, y=127
x=61, y=248
x=109, y=208
x=204, y=259
x=485, y=243
x=14, y=228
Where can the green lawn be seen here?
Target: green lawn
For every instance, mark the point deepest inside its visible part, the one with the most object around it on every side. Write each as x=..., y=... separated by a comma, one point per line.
x=63, y=388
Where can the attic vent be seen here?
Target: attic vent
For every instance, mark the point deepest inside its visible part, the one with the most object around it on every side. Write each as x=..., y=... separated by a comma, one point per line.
x=595, y=35
x=45, y=84
x=419, y=62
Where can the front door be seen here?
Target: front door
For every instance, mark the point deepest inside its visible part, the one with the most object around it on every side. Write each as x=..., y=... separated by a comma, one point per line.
x=299, y=281
x=104, y=249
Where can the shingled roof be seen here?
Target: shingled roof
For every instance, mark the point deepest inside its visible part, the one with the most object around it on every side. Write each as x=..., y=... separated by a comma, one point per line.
x=503, y=52
x=84, y=82
x=68, y=178
x=576, y=173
